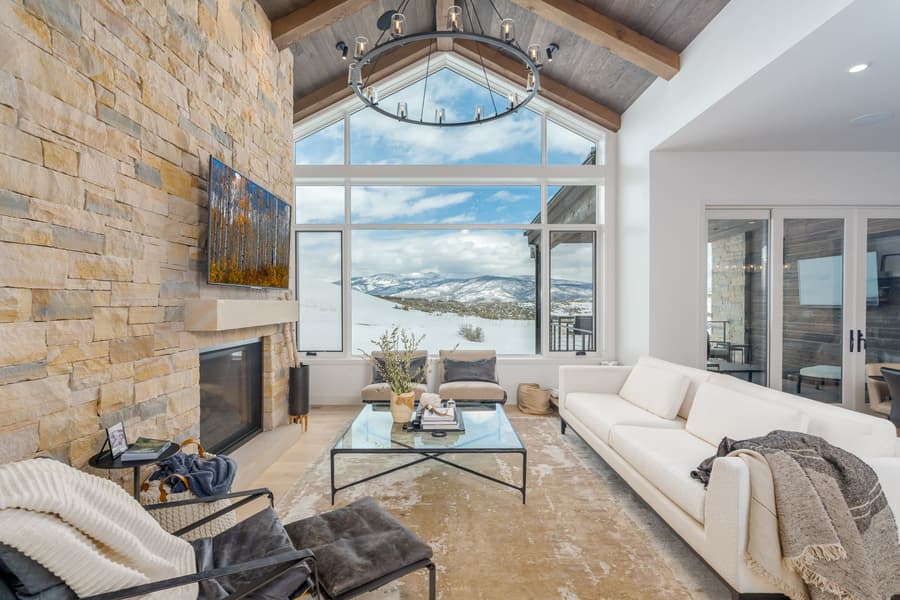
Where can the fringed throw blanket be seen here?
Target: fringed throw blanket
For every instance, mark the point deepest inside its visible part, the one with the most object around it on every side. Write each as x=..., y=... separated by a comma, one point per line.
x=836, y=529
x=88, y=531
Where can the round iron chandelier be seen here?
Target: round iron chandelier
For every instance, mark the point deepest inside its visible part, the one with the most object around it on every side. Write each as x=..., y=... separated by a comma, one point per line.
x=461, y=25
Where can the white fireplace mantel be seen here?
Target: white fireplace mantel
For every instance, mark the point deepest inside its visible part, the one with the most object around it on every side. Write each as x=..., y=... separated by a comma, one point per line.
x=219, y=314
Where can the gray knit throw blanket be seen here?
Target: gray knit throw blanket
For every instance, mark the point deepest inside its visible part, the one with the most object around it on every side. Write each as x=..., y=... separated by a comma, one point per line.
x=836, y=528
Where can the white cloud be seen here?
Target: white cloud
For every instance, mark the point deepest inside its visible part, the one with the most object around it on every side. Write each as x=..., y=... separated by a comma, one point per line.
x=324, y=147
x=572, y=261
x=319, y=204
x=377, y=139
x=380, y=204
x=450, y=253
x=566, y=146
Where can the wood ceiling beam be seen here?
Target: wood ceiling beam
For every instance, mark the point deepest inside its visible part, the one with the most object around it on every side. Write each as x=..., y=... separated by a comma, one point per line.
x=338, y=90
x=550, y=89
x=313, y=17
x=608, y=33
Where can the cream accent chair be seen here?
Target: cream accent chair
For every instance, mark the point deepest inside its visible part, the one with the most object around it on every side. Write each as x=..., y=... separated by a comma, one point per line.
x=879, y=397
x=381, y=392
x=469, y=390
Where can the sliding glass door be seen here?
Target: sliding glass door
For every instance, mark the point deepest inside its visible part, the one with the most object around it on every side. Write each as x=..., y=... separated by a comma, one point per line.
x=824, y=318
x=878, y=341
x=812, y=307
x=737, y=298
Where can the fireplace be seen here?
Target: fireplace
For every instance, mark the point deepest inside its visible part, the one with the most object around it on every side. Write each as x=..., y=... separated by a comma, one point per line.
x=230, y=395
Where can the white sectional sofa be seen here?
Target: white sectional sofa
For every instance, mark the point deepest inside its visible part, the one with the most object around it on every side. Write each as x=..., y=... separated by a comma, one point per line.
x=655, y=422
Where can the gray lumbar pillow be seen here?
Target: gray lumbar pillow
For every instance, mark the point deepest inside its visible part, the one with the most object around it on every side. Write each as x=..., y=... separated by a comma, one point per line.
x=483, y=369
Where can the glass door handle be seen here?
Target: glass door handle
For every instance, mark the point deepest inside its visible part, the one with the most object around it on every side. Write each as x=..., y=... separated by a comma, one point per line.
x=851, y=340
x=861, y=341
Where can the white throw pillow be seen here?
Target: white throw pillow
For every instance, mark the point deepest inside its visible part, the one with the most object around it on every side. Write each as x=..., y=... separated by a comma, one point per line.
x=719, y=412
x=659, y=391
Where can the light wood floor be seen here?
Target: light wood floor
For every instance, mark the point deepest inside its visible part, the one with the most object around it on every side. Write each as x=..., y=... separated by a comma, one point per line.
x=276, y=459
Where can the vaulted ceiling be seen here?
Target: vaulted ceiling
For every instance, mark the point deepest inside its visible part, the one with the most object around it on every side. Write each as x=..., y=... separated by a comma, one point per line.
x=610, y=50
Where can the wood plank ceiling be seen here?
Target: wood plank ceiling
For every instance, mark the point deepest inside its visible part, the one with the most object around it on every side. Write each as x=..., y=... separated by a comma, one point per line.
x=610, y=50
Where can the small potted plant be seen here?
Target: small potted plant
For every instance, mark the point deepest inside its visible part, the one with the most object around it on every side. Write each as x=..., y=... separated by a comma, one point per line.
x=397, y=347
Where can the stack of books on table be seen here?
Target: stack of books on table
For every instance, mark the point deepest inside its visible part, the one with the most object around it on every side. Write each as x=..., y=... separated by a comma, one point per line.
x=144, y=449
x=446, y=418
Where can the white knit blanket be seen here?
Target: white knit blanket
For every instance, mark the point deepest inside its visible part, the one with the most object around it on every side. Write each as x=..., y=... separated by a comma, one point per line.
x=87, y=530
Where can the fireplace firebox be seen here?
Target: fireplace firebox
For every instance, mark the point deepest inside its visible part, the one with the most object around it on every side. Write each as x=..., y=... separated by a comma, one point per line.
x=230, y=395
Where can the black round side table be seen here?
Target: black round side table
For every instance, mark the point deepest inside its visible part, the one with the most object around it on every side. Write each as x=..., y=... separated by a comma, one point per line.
x=104, y=460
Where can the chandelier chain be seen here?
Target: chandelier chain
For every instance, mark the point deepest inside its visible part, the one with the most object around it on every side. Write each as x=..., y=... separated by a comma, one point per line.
x=471, y=10
x=487, y=80
x=494, y=6
x=425, y=87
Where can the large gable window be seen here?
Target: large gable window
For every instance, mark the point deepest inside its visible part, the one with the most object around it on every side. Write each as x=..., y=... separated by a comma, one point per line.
x=483, y=236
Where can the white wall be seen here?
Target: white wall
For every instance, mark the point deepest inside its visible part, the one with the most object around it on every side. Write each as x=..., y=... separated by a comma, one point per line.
x=338, y=381
x=743, y=38
x=685, y=184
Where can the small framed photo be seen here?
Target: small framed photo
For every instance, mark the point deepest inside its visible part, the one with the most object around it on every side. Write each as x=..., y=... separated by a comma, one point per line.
x=117, y=441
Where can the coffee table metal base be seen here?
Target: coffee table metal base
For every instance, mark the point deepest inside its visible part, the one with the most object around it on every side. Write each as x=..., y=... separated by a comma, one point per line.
x=431, y=455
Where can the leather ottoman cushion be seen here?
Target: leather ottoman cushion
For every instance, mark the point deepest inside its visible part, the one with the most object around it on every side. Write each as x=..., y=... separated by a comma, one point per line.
x=255, y=537
x=357, y=544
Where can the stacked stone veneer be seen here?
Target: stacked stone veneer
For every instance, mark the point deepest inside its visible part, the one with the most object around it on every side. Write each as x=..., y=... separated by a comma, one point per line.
x=109, y=111
x=729, y=287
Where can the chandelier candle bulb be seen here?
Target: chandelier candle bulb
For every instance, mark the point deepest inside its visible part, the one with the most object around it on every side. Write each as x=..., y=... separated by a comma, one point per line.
x=513, y=101
x=479, y=112
x=507, y=30
x=350, y=68
x=534, y=53
x=529, y=81
x=454, y=18
x=398, y=25
x=360, y=47
x=439, y=115
x=372, y=95
x=401, y=110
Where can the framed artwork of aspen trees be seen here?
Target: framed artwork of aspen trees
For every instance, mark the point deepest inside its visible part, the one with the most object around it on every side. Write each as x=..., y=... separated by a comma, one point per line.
x=249, y=231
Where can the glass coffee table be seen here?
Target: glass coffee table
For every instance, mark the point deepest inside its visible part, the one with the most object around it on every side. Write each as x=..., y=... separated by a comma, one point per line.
x=373, y=431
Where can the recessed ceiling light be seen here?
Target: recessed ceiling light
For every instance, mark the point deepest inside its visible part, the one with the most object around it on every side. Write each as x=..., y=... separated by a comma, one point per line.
x=858, y=68
x=871, y=118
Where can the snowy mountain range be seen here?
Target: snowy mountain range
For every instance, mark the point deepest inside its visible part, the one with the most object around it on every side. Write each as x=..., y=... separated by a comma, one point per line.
x=487, y=288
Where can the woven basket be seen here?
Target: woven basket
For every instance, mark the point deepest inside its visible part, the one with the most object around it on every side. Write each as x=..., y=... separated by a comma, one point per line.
x=174, y=518
x=531, y=399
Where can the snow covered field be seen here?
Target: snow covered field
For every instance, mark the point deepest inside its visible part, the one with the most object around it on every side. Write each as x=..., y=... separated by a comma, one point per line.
x=320, y=319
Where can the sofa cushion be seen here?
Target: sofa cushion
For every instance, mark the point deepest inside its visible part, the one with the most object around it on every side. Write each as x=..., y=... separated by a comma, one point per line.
x=472, y=390
x=858, y=433
x=601, y=412
x=720, y=412
x=381, y=392
x=665, y=457
x=661, y=391
x=697, y=377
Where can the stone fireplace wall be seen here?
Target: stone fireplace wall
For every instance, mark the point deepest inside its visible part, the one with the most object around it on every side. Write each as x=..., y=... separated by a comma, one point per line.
x=109, y=112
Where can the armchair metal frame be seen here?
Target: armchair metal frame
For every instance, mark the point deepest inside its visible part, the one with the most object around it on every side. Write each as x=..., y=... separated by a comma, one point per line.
x=285, y=561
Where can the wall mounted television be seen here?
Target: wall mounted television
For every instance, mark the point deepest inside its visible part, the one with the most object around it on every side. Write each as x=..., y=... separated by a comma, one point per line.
x=249, y=240
x=822, y=280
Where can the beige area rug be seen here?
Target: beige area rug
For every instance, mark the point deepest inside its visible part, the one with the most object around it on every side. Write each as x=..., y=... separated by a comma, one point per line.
x=572, y=540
